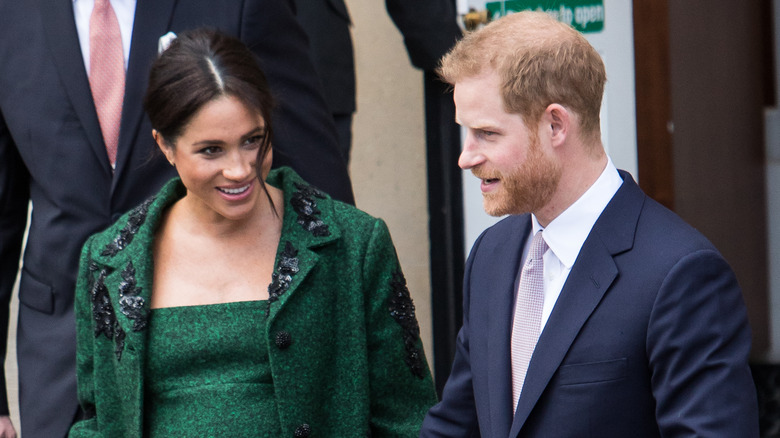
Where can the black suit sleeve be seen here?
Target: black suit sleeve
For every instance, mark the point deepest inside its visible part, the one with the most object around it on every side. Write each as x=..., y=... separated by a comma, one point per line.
x=304, y=134
x=430, y=29
x=14, y=198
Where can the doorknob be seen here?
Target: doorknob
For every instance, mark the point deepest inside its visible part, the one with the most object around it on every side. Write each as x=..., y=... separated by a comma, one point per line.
x=473, y=19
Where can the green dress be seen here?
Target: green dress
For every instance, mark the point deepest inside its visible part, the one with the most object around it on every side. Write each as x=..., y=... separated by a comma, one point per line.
x=207, y=372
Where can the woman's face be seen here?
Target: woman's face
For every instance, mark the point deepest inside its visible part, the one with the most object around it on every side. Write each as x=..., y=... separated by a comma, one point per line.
x=216, y=157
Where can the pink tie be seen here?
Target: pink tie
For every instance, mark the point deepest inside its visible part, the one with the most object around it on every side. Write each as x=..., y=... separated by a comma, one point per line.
x=107, y=72
x=528, y=315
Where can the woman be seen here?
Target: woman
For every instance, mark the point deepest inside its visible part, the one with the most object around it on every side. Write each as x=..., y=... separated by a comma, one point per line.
x=179, y=331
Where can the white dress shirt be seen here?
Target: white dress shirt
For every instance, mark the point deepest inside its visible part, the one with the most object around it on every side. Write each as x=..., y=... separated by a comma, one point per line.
x=125, y=14
x=566, y=234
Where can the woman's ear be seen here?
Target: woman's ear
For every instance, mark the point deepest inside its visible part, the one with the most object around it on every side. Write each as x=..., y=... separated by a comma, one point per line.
x=166, y=150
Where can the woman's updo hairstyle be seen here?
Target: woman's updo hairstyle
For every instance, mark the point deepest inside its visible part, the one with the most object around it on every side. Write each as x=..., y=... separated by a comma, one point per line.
x=199, y=66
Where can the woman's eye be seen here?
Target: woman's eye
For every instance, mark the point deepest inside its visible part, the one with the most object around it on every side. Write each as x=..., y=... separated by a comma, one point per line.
x=254, y=141
x=210, y=150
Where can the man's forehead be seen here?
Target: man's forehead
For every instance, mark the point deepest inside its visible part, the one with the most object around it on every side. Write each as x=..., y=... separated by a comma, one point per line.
x=481, y=90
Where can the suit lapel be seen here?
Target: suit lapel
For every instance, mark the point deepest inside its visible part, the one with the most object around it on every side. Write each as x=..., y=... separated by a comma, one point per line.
x=152, y=20
x=590, y=278
x=60, y=30
x=500, y=325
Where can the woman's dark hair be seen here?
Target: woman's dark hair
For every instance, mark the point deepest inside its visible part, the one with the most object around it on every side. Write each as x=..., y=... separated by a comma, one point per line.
x=199, y=66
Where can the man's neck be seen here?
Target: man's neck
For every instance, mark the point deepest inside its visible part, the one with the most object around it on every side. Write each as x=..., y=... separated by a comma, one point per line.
x=576, y=179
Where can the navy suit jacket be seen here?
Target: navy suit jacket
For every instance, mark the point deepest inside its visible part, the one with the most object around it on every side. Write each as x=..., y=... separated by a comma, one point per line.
x=52, y=153
x=649, y=337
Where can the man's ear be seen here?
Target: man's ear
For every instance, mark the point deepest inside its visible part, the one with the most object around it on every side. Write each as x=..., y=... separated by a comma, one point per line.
x=166, y=150
x=559, y=120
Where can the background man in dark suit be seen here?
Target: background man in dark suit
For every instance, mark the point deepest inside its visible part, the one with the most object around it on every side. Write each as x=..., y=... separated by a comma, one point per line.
x=600, y=313
x=52, y=152
x=429, y=29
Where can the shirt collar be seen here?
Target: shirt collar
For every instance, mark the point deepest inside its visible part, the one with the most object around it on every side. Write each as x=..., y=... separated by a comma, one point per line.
x=566, y=234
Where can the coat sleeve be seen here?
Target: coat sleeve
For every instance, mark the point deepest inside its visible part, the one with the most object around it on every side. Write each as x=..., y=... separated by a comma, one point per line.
x=85, y=338
x=456, y=414
x=430, y=29
x=698, y=344
x=401, y=387
x=304, y=133
x=14, y=199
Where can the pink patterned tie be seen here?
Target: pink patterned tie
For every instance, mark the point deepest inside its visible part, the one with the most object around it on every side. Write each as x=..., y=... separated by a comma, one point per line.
x=107, y=72
x=528, y=315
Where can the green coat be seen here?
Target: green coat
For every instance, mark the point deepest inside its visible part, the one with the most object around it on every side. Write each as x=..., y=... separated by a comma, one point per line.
x=344, y=346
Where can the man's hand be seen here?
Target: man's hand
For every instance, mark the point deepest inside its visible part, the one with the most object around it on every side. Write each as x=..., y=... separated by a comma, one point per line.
x=7, y=428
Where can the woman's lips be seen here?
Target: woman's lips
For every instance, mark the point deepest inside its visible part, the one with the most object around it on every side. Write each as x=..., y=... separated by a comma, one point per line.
x=236, y=193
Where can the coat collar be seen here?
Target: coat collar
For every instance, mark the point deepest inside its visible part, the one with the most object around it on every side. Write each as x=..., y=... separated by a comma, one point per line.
x=590, y=278
x=121, y=268
x=122, y=254
x=309, y=223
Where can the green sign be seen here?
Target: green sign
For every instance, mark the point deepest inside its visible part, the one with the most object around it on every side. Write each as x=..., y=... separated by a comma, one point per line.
x=586, y=16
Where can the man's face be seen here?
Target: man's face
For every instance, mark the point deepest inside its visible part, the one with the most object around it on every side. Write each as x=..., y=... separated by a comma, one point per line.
x=518, y=172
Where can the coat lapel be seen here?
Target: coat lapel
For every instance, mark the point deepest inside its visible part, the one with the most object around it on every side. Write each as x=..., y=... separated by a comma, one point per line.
x=60, y=30
x=307, y=214
x=126, y=255
x=589, y=280
x=152, y=20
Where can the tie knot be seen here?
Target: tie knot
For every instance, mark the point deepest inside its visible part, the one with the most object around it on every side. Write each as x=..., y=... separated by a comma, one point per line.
x=538, y=247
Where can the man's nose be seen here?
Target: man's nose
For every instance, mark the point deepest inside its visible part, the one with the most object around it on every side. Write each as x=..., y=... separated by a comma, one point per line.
x=471, y=155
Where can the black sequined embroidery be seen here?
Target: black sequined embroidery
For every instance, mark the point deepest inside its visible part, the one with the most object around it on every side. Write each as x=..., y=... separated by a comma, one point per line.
x=281, y=279
x=402, y=310
x=305, y=205
x=130, y=304
x=103, y=312
x=134, y=221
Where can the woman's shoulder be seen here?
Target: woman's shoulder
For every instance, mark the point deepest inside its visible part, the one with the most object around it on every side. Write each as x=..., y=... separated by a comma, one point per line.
x=312, y=214
x=308, y=199
x=140, y=220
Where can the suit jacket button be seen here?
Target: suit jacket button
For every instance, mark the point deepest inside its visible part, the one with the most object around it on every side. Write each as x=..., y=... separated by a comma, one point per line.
x=302, y=431
x=283, y=340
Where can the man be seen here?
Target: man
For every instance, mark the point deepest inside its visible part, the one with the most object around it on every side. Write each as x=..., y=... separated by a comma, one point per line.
x=591, y=311
x=429, y=28
x=53, y=151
